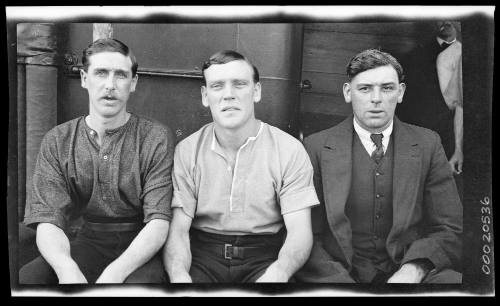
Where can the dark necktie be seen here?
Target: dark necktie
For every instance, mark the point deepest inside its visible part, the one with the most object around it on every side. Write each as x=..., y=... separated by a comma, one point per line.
x=444, y=45
x=379, y=151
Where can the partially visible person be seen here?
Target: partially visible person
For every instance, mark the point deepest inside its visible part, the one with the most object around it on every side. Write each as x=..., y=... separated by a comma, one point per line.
x=111, y=167
x=435, y=92
x=390, y=211
x=243, y=189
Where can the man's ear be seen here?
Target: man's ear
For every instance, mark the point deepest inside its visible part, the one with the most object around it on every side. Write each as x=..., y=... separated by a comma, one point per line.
x=134, y=82
x=83, y=78
x=346, y=89
x=402, y=88
x=257, y=92
x=204, y=99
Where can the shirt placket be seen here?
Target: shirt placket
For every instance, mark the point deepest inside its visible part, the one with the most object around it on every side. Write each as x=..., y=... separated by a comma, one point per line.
x=237, y=197
x=105, y=164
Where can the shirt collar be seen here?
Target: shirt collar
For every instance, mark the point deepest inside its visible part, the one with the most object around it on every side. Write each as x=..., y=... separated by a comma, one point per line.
x=441, y=41
x=364, y=135
x=217, y=147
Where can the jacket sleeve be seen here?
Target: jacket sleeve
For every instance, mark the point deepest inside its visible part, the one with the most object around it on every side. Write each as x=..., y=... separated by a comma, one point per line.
x=443, y=215
x=320, y=267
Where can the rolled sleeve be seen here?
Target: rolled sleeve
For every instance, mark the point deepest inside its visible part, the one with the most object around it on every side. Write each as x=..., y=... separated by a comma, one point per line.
x=297, y=190
x=49, y=200
x=157, y=192
x=183, y=182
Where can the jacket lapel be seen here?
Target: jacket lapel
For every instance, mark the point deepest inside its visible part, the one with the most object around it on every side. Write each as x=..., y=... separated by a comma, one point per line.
x=406, y=177
x=336, y=169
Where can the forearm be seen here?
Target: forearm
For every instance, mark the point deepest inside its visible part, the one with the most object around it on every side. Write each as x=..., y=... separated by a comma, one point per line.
x=54, y=247
x=293, y=254
x=144, y=246
x=458, y=127
x=177, y=256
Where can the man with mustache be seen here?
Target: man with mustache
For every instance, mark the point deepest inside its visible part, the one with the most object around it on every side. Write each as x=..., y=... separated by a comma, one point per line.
x=242, y=188
x=390, y=211
x=111, y=167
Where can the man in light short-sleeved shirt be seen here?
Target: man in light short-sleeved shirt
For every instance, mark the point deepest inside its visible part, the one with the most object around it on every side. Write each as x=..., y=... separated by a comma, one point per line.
x=243, y=189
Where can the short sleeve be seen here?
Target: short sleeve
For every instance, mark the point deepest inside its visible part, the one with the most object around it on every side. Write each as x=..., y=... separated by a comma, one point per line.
x=297, y=191
x=157, y=190
x=183, y=181
x=49, y=200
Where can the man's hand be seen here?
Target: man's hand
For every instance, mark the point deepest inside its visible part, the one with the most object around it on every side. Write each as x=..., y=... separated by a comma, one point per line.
x=181, y=278
x=111, y=275
x=410, y=273
x=456, y=161
x=273, y=275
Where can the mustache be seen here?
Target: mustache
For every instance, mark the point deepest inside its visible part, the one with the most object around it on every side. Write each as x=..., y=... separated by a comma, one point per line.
x=109, y=95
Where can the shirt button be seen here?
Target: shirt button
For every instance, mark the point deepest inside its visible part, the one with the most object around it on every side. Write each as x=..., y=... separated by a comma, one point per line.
x=377, y=195
x=105, y=157
x=92, y=133
x=377, y=174
x=377, y=216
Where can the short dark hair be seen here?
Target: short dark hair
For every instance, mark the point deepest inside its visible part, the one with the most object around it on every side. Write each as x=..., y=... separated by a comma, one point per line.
x=108, y=45
x=224, y=57
x=370, y=59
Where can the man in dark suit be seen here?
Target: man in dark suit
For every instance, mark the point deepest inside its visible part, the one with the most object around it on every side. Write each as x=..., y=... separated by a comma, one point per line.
x=390, y=210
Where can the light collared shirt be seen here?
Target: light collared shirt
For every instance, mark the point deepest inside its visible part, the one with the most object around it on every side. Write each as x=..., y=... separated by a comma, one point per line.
x=272, y=176
x=367, y=142
x=449, y=69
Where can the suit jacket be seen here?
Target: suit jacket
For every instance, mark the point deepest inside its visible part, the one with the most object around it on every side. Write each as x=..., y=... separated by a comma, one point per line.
x=427, y=212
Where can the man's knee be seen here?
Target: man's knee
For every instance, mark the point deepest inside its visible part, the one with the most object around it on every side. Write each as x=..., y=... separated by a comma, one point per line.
x=38, y=271
x=447, y=276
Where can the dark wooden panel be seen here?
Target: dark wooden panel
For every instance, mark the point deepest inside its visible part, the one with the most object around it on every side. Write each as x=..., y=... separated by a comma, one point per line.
x=324, y=83
x=268, y=45
x=324, y=104
x=176, y=100
x=175, y=46
x=379, y=28
x=315, y=122
x=331, y=51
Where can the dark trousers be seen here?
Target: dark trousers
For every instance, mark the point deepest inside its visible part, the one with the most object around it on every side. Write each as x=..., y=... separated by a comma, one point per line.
x=209, y=263
x=93, y=251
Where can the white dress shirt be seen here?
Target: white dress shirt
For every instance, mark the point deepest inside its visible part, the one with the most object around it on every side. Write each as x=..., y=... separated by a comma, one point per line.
x=367, y=142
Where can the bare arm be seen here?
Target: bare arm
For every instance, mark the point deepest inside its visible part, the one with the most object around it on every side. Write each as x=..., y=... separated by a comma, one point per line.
x=144, y=246
x=457, y=159
x=296, y=249
x=177, y=251
x=55, y=249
